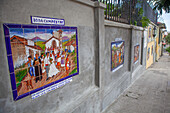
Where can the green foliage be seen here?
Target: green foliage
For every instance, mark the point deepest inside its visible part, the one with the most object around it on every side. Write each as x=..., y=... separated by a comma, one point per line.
x=19, y=75
x=167, y=38
x=135, y=23
x=139, y=1
x=113, y=10
x=140, y=13
x=162, y=5
x=168, y=49
x=145, y=21
x=73, y=37
x=75, y=60
x=40, y=43
x=73, y=53
x=63, y=43
x=74, y=71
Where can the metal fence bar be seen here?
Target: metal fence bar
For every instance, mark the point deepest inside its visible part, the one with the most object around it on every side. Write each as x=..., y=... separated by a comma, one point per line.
x=109, y=10
x=130, y=10
x=106, y=10
x=115, y=11
x=126, y=11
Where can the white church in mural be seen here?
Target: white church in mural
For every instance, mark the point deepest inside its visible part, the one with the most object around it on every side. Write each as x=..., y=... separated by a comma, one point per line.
x=54, y=43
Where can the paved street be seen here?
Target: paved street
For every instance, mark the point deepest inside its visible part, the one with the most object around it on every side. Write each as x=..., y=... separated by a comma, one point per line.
x=149, y=94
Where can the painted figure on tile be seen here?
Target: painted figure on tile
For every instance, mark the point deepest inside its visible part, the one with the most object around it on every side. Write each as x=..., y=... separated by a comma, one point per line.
x=58, y=60
x=31, y=72
x=53, y=70
x=47, y=64
x=38, y=70
x=119, y=56
x=42, y=62
x=63, y=61
x=136, y=53
x=67, y=64
x=115, y=59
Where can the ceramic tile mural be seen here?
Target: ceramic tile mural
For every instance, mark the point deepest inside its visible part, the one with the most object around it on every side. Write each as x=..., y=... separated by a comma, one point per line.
x=40, y=56
x=136, y=53
x=117, y=54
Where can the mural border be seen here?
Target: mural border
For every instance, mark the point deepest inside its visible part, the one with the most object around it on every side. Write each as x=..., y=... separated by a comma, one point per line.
x=6, y=27
x=111, y=55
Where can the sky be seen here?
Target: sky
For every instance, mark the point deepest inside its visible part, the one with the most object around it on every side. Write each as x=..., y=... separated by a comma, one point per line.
x=42, y=33
x=165, y=18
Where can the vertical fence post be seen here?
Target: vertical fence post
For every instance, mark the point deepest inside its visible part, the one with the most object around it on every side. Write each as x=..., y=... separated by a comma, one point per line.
x=106, y=10
x=130, y=11
x=109, y=11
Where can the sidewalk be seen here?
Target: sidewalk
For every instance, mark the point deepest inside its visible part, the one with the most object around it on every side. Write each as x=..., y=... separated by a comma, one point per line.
x=149, y=94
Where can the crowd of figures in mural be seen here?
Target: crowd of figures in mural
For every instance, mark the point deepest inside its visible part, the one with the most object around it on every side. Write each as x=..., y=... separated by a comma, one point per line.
x=42, y=56
x=136, y=53
x=117, y=54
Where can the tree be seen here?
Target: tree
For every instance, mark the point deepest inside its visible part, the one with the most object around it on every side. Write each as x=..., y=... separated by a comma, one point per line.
x=161, y=5
x=167, y=38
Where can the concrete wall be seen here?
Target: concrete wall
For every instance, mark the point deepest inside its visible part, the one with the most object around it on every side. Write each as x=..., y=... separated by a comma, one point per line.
x=96, y=87
x=71, y=96
x=114, y=83
x=139, y=66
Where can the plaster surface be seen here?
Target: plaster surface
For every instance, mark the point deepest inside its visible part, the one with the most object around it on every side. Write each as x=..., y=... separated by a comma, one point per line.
x=96, y=87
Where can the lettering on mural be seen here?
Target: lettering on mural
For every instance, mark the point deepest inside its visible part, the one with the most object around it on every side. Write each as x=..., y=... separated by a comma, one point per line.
x=51, y=88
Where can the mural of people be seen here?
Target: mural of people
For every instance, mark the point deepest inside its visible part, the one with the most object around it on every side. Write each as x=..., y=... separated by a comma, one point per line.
x=117, y=57
x=136, y=53
x=46, y=55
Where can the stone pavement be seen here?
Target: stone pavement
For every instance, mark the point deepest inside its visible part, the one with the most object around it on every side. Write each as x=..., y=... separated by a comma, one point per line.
x=149, y=94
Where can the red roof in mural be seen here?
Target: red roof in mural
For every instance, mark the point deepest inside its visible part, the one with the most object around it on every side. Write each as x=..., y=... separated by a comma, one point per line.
x=24, y=41
x=72, y=42
x=20, y=39
x=60, y=31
